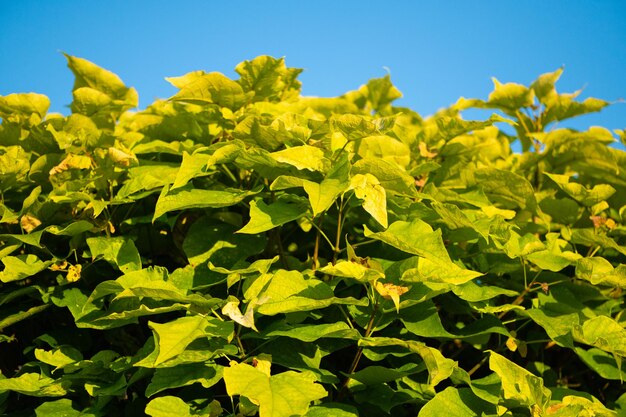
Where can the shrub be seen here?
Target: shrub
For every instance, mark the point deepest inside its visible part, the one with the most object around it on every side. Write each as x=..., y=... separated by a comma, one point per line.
x=239, y=249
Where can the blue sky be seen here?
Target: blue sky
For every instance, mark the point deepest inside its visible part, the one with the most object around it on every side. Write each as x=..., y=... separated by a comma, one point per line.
x=435, y=51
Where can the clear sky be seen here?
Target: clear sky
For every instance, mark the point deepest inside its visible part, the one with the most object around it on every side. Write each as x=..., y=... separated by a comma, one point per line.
x=435, y=51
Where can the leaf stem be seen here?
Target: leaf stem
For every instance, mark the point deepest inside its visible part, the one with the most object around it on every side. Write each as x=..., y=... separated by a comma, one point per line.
x=359, y=352
x=16, y=318
x=477, y=366
x=239, y=344
x=339, y=225
x=523, y=294
x=321, y=232
x=348, y=321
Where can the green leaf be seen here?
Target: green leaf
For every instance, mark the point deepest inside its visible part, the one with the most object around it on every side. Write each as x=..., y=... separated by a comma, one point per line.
x=367, y=188
x=96, y=89
x=313, y=332
x=543, y=86
x=385, y=148
x=118, y=251
x=603, y=332
x=210, y=239
x=506, y=188
x=590, y=238
x=25, y=104
x=424, y=320
x=393, y=179
x=557, y=326
x=147, y=177
x=380, y=92
x=265, y=217
x=353, y=269
x=90, y=75
x=269, y=78
x=187, y=198
x=510, y=96
x=322, y=196
x=282, y=395
x=519, y=387
x=373, y=375
x=213, y=87
x=473, y=292
x=439, y=367
x=59, y=357
x=21, y=266
x=168, y=406
x=288, y=291
x=572, y=405
x=564, y=107
x=586, y=197
x=35, y=385
x=306, y=157
x=173, y=337
x=416, y=237
x=457, y=402
x=183, y=375
x=601, y=362
x=599, y=271
x=197, y=164
x=332, y=410
x=62, y=408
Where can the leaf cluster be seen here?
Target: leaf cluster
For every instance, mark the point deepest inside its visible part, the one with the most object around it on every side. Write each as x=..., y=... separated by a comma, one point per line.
x=239, y=250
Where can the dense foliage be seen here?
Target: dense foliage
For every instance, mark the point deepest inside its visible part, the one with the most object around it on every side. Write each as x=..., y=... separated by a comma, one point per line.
x=240, y=249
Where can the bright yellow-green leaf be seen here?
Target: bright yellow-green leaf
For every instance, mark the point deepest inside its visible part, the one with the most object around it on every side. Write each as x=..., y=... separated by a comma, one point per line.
x=586, y=197
x=35, y=385
x=265, y=217
x=282, y=395
x=269, y=78
x=213, y=87
x=461, y=402
x=21, y=266
x=599, y=271
x=187, y=198
x=303, y=157
x=24, y=103
x=173, y=337
x=118, y=251
x=510, y=96
x=439, y=367
x=519, y=387
x=367, y=188
x=385, y=148
x=168, y=406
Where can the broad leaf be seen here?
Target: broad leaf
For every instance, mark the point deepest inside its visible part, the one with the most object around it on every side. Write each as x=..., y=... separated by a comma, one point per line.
x=281, y=395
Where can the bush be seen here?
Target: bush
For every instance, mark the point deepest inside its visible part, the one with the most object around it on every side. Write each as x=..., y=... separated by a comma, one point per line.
x=239, y=249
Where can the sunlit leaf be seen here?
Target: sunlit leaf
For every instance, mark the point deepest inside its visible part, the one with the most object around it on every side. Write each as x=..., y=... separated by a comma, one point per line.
x=281, y=395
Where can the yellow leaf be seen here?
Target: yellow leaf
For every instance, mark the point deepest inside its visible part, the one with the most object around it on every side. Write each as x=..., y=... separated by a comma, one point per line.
x=29, y=222
x=392, y=292
x=424, y=151
x=231, y=309
x=73, y=273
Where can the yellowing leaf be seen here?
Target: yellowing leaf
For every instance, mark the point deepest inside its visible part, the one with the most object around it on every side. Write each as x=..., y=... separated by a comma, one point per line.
x=121, y=157
x=72, y=162
x=29, y=222
x=73, y=273
x=391, y=291
x=231, y=309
